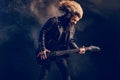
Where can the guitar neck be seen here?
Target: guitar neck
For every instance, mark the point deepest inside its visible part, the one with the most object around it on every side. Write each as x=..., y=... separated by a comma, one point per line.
x=91, y=48
x=67, y=51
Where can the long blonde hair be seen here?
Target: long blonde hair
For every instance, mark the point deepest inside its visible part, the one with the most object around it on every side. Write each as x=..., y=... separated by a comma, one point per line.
x=71, y=7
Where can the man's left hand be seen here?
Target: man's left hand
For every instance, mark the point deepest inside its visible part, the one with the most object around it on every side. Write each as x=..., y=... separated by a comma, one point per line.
x=82, y=50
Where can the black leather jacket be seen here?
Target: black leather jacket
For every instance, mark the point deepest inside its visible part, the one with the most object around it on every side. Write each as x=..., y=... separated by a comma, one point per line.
x=51, y=32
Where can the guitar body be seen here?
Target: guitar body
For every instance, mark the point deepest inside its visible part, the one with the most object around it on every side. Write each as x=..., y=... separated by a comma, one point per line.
x=41, y=61
x=50, y=56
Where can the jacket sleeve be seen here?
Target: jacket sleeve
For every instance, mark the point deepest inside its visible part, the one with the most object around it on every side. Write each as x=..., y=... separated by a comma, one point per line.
x=44, y=29
x=72, y=43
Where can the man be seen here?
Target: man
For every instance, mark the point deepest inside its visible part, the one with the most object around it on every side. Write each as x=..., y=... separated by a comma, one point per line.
x=58, y=34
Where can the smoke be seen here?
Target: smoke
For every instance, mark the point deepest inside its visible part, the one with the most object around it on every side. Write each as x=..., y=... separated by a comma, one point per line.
x=3, y=36
x=19, y=29
x=44, y=9
x=7, y=32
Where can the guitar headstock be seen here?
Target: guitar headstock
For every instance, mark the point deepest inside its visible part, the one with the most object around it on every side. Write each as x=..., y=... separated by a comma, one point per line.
x=93, y=48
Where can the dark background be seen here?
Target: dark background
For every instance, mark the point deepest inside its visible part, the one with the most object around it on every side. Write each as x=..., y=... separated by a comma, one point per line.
x=19, y=26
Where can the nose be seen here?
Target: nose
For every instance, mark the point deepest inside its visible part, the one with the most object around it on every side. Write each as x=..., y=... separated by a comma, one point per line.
x=75, y=21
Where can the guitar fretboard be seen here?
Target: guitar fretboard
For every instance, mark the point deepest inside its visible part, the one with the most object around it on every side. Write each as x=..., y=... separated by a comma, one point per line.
x=66, y=51
x=91, y=48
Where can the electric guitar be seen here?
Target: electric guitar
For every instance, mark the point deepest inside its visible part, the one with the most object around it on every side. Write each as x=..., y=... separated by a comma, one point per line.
x=62, y=52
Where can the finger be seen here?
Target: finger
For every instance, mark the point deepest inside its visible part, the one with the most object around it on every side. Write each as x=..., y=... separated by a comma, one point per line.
x=48, y=50
x=41, y=57
x=82, y=52
x=45, y=56
x=83, y=47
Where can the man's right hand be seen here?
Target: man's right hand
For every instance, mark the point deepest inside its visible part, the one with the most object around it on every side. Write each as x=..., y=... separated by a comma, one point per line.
x=42, y=54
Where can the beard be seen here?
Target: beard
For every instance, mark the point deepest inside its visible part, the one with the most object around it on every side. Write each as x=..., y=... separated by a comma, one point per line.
x=71, y=24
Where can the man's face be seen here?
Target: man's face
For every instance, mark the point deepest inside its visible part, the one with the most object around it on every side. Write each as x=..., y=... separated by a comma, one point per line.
x=74, y=19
